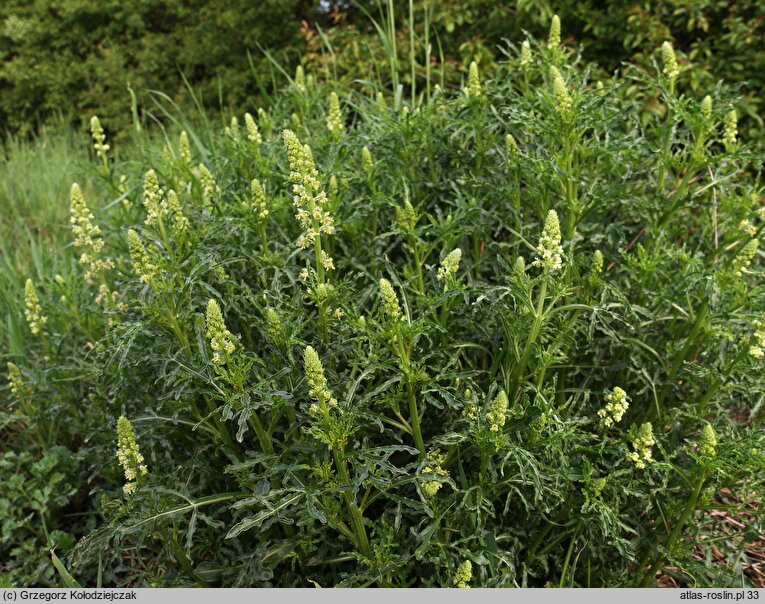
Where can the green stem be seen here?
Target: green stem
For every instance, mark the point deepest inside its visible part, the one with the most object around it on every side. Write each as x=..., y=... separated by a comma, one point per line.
x=357, y=519
x=689, y=507
x=533, y=334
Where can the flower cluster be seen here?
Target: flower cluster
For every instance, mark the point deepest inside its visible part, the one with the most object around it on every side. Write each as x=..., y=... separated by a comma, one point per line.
x=87, y=236
x=15, y=381
x=222, y=342
x=553, y=38
x=616, y=406
x=497, y=412
x=511, y=149
x=273, y=326
x=154, y=199
x=449, y=265
x=389, y=300
x=300, y=79
x=671, y=70
x=129, y=455
x=99, y=139
x=549, y=250
x=317, y=383
x=142, y=264
x=473, y=89
x=209, y=187
x=259, y=205
x=434, y=466
x=707, y=441
x=253, y=134
x=180, y=222
x=184, y=149
x=308, y=196
x=32, y=308
x=335, y=123
x=642, y=441
x=525, y=54
x=744, y=259
x=562, y=98
x=757, y=349
x=366, y=161
x=464, y=574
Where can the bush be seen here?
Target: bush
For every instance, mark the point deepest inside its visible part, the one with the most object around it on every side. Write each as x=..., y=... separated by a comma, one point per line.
x=508, y=336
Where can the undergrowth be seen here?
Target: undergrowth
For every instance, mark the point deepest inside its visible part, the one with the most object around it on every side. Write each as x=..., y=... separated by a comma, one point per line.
x=506, y=336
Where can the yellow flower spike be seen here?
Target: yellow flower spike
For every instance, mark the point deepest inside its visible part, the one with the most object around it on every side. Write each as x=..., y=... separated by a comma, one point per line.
x=180, y=222
x=525, y=54
x=33, y=309
x=317, y=383
x=209, y=187
x=253, y=133
x=367, y=165
x=463, y=575
x=184, y=148
x=222, y=342
x=259, y=205
x=497, y=412
x=549, y=250
x=706, y=107
x=335, y=123
x=671, y=69
x=553, y=38
x=473, y=89
x=449, y=265
x=642, y=442
x=99, y=139
x=87, y=236
x=389, y=300
x=153, y=199
x=707, y=441
x=129, y=454
x=15, y=381
x=615, y=408
x=300, y=79
x=511, y=149
x=744, y=259
x=309, y=198
x=142, y=264
x=563, y=102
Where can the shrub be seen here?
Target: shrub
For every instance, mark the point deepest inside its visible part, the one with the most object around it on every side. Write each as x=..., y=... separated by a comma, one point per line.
x=510, y=336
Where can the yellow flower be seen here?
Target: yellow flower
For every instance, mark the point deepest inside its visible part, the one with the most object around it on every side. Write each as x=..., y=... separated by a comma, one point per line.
x=259, y=205
x=464, y=574
x=707, y=441
x=525, y=54
x=553, y=38
x=671, y=70
x=317, y=383
x=185, y=148
x=222, y=342
x=32, y=308
x=335, y=123
x=549, y=250
x=730, y=130
x=129, y=455
x=99, y=139
x=153, y=199
x=449, y=265
x=563, y=101
x=389, y=300
x=615, y=408
x=253, y=134
x=142, y=264
x=473, y=89
x=209, y=188
x=15, y=381
x=642, y=442
x=300, y=79
x=497, y=412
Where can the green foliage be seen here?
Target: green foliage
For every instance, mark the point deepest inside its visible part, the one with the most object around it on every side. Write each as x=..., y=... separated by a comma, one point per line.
x=392, y=374
x=80, y=57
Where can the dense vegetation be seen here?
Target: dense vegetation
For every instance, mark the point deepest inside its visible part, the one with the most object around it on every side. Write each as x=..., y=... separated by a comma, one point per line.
x=80, y=57
x=507, y=335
